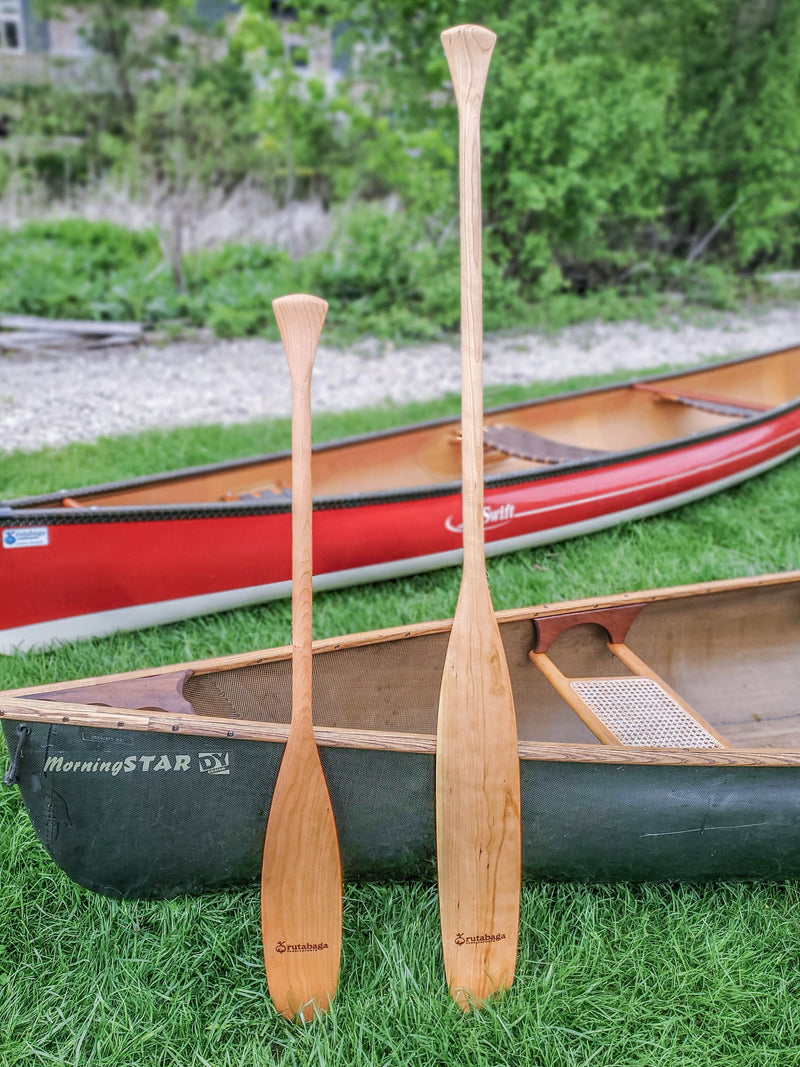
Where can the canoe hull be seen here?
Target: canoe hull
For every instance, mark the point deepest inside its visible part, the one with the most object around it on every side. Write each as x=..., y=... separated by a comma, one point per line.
x=134, y=814
x=74, y=573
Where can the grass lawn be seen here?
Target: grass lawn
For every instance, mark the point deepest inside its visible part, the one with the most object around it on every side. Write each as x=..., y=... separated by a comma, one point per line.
x=608, y=975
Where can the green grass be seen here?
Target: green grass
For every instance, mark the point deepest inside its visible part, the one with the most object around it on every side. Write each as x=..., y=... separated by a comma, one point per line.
x=608, y=975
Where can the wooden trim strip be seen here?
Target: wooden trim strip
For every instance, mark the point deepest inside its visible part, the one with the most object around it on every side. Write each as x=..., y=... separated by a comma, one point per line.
x=26, y=710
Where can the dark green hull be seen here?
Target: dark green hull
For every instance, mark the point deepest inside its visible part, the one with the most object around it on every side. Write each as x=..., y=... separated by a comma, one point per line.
x=154, y=814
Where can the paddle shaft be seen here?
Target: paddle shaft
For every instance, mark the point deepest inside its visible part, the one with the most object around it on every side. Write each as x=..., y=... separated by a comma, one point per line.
x=301, y=879
x=478, y=831
x=302, y=515
x=468, y=54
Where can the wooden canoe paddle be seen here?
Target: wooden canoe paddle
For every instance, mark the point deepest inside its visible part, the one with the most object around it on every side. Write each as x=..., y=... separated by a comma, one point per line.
x=301, y=874
x=478, y=829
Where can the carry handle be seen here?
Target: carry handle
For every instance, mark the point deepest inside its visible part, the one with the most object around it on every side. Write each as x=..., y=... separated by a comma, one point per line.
x=615, y=621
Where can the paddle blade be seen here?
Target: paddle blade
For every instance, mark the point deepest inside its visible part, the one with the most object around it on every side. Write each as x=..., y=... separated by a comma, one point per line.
x=301, y=886
x=478, y=830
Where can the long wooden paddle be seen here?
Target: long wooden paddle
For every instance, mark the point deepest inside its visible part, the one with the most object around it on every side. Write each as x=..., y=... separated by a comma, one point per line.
x=478, y=831
x=301, y=875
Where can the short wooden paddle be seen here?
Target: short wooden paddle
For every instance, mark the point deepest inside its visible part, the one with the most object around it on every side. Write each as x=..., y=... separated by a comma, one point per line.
x=301, y=875
x=478, y=830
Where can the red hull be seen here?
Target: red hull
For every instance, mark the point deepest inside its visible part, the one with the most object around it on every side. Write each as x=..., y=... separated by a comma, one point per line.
x=191, y=560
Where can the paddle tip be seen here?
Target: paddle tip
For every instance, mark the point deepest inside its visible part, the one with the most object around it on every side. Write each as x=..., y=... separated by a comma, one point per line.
x=300, y=320
x=469, y=999
x=299, y=300
x=469, y=34
x=299, y=307
x=314, y=1008
x=469, y=52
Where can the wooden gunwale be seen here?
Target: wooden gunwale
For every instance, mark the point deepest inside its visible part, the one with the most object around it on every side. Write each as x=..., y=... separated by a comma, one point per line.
x=61, y=713
x=21, y=705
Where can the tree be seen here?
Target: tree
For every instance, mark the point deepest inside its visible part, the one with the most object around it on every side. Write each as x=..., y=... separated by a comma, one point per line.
x=122, y=35
x=614, y=131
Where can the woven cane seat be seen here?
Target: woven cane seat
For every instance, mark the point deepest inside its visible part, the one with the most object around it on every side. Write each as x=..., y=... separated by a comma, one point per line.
x=640, y=712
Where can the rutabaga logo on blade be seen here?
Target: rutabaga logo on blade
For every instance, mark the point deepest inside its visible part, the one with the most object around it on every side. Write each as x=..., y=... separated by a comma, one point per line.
x=498, y=516
x=211, y=762
x=478, y=939
x=305, y=946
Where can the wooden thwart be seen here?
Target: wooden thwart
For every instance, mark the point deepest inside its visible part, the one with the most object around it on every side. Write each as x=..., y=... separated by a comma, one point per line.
x=639, y=708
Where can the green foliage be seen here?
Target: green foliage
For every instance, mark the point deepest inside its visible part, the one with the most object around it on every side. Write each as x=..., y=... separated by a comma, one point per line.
x=120, y=47
x=390, y=275
x=399, y=276
x=734, y=120
x=164, y=102
x=6, y=167
x=233, y=288
x=615, y=134
x=576, y=166
x=194, y=124
x=621, y=139
x=74, y=269
x=628, y=148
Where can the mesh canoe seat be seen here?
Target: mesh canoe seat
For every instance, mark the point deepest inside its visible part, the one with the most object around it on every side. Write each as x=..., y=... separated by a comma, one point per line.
x=523, y=444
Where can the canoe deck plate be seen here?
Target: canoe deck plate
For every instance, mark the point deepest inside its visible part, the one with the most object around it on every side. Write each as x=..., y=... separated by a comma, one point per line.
x=640, y=712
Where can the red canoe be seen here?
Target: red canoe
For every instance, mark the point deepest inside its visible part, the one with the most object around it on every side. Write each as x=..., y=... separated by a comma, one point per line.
x=90, y=561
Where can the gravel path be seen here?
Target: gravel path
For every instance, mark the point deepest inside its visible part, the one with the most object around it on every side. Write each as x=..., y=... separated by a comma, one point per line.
x=55, y=399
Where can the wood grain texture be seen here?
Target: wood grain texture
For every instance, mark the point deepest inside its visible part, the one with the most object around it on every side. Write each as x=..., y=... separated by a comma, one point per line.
x=478, y=827
x=561, y=684
x=55, y=704
x=615, y=621
x=22, y=709
x=301, y=876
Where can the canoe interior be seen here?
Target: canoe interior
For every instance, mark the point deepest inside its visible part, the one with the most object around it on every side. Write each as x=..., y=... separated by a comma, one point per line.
x=733, y=657
x=645, y=414
x=732, y=654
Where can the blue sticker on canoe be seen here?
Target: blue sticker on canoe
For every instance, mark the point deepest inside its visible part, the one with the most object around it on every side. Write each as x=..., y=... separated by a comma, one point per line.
x=26, y=537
